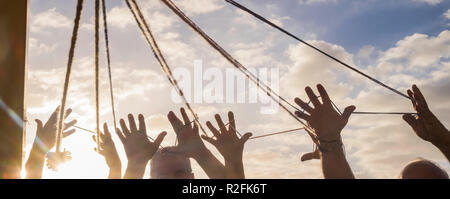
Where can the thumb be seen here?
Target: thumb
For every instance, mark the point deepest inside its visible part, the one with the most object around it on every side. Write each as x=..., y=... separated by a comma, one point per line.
x=39, y=124
x=160, y=138
x=411, y=120
x=245, y=137
x=348, y=111
x=310, y=156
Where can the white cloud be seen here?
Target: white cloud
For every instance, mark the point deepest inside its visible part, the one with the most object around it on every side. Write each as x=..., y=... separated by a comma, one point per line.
x=447, y=14
x=420, y=50
x=120, y=17
x=316, y=1
x=199, y=6
x=49, y=19
x=38, y=47
x=430, y=2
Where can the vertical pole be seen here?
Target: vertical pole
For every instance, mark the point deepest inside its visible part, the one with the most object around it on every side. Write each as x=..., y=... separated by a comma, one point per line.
x=13, y=37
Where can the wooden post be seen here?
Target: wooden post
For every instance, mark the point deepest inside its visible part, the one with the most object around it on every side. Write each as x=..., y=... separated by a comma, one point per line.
x=13, y=37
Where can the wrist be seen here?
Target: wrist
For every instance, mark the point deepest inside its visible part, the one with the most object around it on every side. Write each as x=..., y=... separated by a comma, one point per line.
x=234, y=159
x=334, y=147
x=116, y=167
x=442, y=144
x=135, y=163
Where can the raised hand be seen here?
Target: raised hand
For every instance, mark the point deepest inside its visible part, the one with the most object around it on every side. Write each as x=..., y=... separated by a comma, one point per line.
x=323, y=119
x=138, y=148
x=44, y=141
x=46, y=133
x=189, y=141
x=325, y=125
x=229, y=145
x=425, y=124
x=109, y=152
x=191, y=145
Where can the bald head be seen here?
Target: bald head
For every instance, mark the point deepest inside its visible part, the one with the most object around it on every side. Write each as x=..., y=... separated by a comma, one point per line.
x=423, y=169
x=169, y=164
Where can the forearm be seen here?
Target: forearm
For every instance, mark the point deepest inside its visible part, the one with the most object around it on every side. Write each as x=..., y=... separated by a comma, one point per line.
x=210, y=164
x=115, y=173
x=35, y=163
x=444, y=147
x=335, y=165
x=135, y=170
x=234, y=168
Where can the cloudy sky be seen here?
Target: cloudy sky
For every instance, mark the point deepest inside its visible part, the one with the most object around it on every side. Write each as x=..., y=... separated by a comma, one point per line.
x=399, y=42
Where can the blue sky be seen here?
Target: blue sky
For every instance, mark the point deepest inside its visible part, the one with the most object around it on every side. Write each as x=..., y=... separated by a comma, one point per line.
x=400, y=42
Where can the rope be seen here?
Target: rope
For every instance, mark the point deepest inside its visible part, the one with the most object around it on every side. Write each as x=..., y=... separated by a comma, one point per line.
x=265, y=135
x=159, y=56
x=108, y=59
x=93, y=132
x=277, y=133
x=233, y=61
x=382, y=113
x=73, y=42
x=97, y=68
x=232, y=2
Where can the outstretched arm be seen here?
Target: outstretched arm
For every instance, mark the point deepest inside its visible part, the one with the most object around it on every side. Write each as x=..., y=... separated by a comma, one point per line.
x=138, y=148
x=109, y=152
x=325, y=126
x=191, y=145
x=426, y=125
x=44, y=141
x=229, y=145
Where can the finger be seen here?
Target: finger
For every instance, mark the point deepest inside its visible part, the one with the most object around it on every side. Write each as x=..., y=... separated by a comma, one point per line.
x=106, y=130
x=347, y=112
x=210, y=140
x=54, y=115
x=175, y=122
x=142, y=128
x=99, y=151
x=67, y=113
x=69, y=124
x=411, y=120
x=125, y=130
x=94, y=138
x=67, y=133
x=185, y=117
x=312, y=97
x=413, y=101
x=324, y=95
x=39, y=124
x=195, y=129
x=245, y=137
x=419, y=96
x=120, y=135
x=303, y=105
x=213, y=129
x=231, y=121
x=132, y=123
x=309, y=156
x=220, y=123
x=160, y=138
x=303, y=115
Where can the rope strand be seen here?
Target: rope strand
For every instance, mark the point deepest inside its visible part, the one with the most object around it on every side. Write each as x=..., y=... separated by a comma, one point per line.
x=108, y=59
x=232, y=2
x=73, y=42
x=233, y=61
x=97, y=68
x=159, y=56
